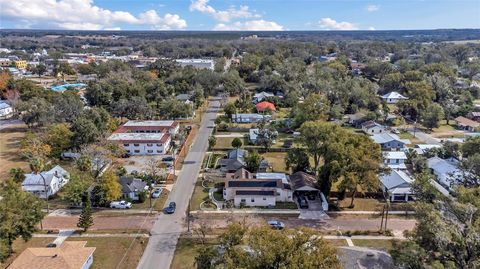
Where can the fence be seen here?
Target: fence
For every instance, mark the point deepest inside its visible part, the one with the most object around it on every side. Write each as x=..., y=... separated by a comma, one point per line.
x=183, y=152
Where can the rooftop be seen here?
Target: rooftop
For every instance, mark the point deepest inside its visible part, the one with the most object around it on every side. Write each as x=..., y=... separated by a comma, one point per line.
x=393, y=95
x=134, y=123
x=395, y=155
x=396, y=179
x=160, y=137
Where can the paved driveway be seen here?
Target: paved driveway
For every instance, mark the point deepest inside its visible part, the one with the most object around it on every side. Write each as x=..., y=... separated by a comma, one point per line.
x=428, y=139
x=167, y=228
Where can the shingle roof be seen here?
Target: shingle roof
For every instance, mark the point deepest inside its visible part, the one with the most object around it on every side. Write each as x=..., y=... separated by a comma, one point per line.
x=130, y=184
x=69, y=255
x=396, y=179
x=302, y=179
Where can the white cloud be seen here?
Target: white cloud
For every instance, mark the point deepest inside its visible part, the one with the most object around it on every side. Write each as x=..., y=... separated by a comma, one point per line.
x=331, y=24
x=371, y=28
x=372, y=8
x=81, y=15
x=254, y=25
x=222, y=15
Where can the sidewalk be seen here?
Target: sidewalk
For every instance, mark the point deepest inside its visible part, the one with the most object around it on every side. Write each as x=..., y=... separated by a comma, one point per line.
x=94, y=235
x=370, y=212
x=250, y=211
x=70, y=212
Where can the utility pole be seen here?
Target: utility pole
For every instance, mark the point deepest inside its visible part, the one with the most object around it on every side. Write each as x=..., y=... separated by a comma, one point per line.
x=383, y=215
x=188, y=215
x=414, y=128
x=386, y=215
x=45, y=190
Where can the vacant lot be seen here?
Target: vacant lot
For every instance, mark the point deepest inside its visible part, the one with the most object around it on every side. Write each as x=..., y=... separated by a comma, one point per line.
x=115, y=252
x=276, y=161
x=10, y=138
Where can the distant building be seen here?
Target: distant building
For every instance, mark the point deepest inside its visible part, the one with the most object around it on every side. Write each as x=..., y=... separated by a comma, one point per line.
x=52, y=180
x=69, y=255
x=474, y=116
x=5, y=109
x=422, y=148
x=259, y=97
x=250, y=118
x=390, y=142
x=4, y=62
x=393, y=97
x=197, y=63
x=150, y=126
x=466, y=124
x=371, y=128
x=21, y=64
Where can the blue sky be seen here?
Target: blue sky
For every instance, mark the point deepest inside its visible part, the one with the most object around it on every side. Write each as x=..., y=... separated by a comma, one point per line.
x=239, y=15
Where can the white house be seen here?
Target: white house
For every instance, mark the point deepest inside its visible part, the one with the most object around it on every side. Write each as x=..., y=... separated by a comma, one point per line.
x=262, y=189
x=150, y=126
x=250, y=118
x=422, y=148
x=143, y=143
x=5, y=109
x=393, y=97
x=52, y=180
x=398, y=185
x=446, y=171
x=259, y=97
x=370, y=127
x=197, y=63
x=395, y=159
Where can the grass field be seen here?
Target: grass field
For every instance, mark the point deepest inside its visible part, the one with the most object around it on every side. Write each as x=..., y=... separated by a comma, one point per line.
x=9, y=148
x=276, y=161
x=385, y=245
x=409, y=136
x=200, y=194
x=158, y=204
x=370, y=204
x=115, y=252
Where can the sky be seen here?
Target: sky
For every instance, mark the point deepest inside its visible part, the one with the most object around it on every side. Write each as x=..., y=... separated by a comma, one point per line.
x=236, y=15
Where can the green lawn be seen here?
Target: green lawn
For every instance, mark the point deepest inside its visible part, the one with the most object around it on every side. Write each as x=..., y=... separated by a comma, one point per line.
x=370, y=204
x=276, y=161
x=184, y=257
x=10, y=148
x=224, y=142
x=200, y=194
x=409, y=136
x=115, y=252
x=157, y=204
x=385, y=245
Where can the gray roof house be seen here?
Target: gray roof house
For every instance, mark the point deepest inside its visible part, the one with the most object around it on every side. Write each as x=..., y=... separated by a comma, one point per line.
x=53, y=180
x=398, y=185
x=370, y=127
x=446, y=171
x=389, y=141
x=131, y=187
x=234, y=161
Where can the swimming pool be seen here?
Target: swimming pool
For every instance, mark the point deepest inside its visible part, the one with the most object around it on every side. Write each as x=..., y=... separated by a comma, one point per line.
x=61, y=88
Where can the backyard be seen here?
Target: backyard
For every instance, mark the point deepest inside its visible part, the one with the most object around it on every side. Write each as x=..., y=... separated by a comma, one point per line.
x=10, y=138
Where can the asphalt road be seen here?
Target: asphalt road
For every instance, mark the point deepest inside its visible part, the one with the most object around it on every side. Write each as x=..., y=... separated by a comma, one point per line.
x=167, y=228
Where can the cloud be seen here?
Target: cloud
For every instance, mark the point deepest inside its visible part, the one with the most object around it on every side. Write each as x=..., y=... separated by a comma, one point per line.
x=81, y=15
x=222, y=15
x=372, y=8
x=371, y=28
x=331, y=24
x=254, y=25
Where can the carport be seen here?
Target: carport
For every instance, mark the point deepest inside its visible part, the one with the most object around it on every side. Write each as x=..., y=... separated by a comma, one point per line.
x=304, y=184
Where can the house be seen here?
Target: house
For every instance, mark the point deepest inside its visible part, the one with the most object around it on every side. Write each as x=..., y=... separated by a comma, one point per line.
x=265, y=107
x=69, y=255
x=474, y=116
x=150, y=126
x=52, y=180
x=398, y=186
x=370, y=127
x=393, y=97
x=197, y=63
x=235, y=160
x=6, y=110
x=259, y=97
x=395, y=159
x=303, y=184
x=184, y=97
x=253, y=136
x=422, y=148
x=261, y=189
x=389, y=141
x=446, y=171
x=357, y=68
x=466, y=124
x=132, y=187
x=21, y=64
x=355, y=119
x=250, y=118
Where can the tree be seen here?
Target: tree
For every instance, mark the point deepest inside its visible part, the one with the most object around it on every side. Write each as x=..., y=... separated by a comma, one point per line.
x=447, y=234
x=212, y=140
x=297, y=159
x=266, y=135
x=204, y=258
x=237, y=143
x=17, y=174
x=263, y=247
x=32, y=145
x=471, y=146
x=230, y=109
x=36, y=112
x=74, y=190
x=470, y=169
x=84, y=132
x=84, y=163
x=154, y=169
x=20, y=213
x=253, y=160
x=315, y=107
x=432, y=116
x=40, y=69
x=58, y=136
x=110, y=185
x=85, y=220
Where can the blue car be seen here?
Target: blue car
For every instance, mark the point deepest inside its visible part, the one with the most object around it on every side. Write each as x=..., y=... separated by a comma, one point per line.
x=171, y=208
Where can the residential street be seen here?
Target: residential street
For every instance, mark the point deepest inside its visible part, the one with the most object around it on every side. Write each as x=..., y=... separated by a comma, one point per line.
x=167, y=228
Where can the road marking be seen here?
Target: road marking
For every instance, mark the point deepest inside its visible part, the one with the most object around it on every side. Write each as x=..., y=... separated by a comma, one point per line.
x=349, y=242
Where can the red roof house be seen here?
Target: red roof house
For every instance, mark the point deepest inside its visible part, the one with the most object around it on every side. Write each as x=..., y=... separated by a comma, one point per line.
x=263, y=106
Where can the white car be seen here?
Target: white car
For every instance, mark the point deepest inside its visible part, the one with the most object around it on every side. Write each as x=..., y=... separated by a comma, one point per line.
x=120, y=204
x=156, y=193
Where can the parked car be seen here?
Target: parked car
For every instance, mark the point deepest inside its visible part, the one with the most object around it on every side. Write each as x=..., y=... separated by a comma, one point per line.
x=275, y=224
x=121, y=204
x=168, y=159
x=51, y=245
x=156, y=193
x=171, y=208
x=302, y=202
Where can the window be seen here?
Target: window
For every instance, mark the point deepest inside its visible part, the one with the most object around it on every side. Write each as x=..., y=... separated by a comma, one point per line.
x=159, y=145
x=137, y=151
x=149, y=145
x=243, y=201
x=252, y=200
x=264, y=198
x=150, y=151
x=128, y=151
x=159, y=151
x=126, y=145
x=136, y=145
x=397, y=161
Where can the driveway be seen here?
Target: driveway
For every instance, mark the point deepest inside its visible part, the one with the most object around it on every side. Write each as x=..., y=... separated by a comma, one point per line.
x=428, y=139
x=167, y=228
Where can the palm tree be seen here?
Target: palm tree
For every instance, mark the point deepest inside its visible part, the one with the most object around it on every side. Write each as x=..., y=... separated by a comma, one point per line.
x=37, y=165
